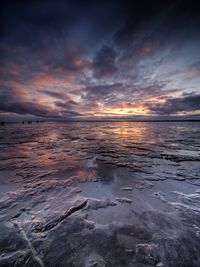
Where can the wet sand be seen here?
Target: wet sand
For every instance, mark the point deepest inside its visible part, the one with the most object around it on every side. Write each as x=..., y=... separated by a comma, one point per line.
x=100, y=194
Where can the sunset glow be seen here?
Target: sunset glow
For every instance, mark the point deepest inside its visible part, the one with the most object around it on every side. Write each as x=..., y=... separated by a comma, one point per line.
x=100, y=133
x=99, y=66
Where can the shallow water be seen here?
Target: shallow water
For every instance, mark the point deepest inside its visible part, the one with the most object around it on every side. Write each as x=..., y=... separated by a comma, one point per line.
x=100, y=194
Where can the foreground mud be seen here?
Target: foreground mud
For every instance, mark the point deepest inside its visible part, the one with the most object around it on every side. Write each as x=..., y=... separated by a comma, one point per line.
x=100, y=194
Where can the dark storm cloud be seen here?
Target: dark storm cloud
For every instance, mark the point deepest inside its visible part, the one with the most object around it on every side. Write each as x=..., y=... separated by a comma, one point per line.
x=70, y=113
x=156, y=28
x=11, y=101
x=100, y=92
x=158, y=21
x=24, y=108
x=105, y=62
x=67, y=108
x=53, y=94
x=67, y=104
x=31, y=23
x=42, y=24
x=181, y=104
x=38, y=24
x=96, y=54
x=13, y=104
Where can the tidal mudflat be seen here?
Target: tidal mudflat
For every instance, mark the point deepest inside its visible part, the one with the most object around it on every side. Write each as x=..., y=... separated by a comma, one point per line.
x=101, y=194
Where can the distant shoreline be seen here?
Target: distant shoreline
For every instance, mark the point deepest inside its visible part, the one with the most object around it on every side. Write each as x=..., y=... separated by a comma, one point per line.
x=95, y=121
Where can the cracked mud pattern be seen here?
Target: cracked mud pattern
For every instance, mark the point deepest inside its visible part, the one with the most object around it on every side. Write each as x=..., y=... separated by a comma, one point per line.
x=100, y=194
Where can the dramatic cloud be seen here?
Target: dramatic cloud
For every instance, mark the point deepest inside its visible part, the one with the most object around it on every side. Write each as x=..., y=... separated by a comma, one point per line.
x=99, y=59
x=24, y=108
x=53, y=94
x=175, y=105
x=105, y=62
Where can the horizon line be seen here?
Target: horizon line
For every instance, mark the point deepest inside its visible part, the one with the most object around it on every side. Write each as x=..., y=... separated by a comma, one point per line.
x=103, y=120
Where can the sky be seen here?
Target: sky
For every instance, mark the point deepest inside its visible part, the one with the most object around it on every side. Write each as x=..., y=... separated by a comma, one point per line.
x=114, y=59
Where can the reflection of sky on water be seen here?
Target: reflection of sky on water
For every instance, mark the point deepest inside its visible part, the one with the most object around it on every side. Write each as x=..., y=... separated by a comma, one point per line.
x=69, y=139
x=47, y=168
x=94, y=150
